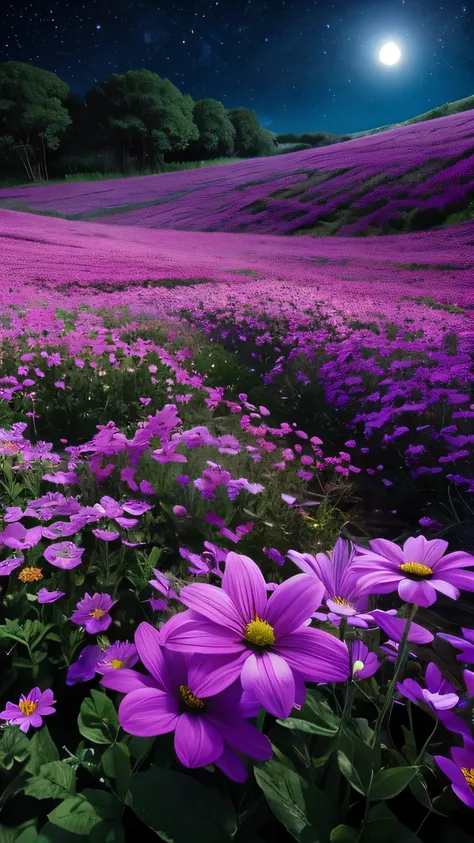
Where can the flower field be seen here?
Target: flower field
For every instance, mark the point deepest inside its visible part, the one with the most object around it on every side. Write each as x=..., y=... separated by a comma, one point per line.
x=415, y=175
x=236, y=541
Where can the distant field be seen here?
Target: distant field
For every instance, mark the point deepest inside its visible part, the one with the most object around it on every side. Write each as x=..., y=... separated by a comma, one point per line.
x=411, y=178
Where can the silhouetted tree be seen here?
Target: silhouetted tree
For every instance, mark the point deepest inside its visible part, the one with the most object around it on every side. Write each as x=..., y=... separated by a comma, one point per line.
x=216, y=132
x=142, y=115
x=33, y=117
x=250, y=138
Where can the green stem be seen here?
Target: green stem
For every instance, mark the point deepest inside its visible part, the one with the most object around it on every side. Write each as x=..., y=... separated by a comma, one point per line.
x=398, y=670
x=423, y=749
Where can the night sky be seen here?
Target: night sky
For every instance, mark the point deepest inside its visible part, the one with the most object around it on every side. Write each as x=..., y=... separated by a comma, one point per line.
x=302, y=65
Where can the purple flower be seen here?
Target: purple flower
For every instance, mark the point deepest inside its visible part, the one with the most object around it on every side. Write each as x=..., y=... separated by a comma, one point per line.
x=30, y=709
x=62, y=477
x=418, y=571
x=180, y=511
x=85, y=668
x=106, y=535
x=45, y=596
x=17, y=536
x=364, y=663
x=189, y=695
x=65, y=555
x=136, y=507
x=268, y=641
x=289, y=499
x=64, y=528
x=341, y=582
x=466, y=644
x=92, y=612
x=439, y=693
x=212, y=518
x=394, y=627
x=461, y=772
x=162, y=584
x=274, y=554
x=9, y=565
x=118, y=656
x=109, y=507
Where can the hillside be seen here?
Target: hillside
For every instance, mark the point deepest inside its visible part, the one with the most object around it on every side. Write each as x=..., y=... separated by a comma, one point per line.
x=410, y=178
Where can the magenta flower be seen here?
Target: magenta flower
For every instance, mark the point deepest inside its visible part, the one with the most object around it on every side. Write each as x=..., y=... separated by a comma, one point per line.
x=418, y=571
x=45, y=596
x=394, y=627
x=62, y=477
x=461, y=772
x=60, y=529
x=341, y=583
x=187, y=695
x=30, y=709
x=118, y=656
x=106, y=535
x=180, y=511
x=364, y=663
x=439, y=693
x=268, y=639
x=18, y=537
x=109, y=507
x=65, y=555
x=137, y=507
x=92, y=612
x=466, y=644
x=9, y=565
x=85, y=668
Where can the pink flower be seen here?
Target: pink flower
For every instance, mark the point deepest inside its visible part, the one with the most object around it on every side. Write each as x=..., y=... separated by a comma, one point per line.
x=65, y=555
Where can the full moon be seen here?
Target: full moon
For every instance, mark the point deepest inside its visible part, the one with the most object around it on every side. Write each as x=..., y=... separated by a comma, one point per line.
x=390, y=53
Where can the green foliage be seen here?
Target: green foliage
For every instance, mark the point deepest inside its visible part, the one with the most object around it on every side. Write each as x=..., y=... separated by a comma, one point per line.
x=42, y=750
x=216, y=131
x=97, y=719
x=14, y=746
x=250, y=138
x=55, y=780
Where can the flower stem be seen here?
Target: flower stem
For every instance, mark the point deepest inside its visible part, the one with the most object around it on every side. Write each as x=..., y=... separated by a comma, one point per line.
x=398, y=670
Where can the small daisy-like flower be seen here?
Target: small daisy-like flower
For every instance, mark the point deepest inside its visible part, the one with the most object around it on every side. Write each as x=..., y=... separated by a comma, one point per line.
x=30, y=575
x=92, y=612
x=30, y=709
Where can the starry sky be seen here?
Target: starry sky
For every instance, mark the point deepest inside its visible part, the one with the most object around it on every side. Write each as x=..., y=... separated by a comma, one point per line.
x=302, y=65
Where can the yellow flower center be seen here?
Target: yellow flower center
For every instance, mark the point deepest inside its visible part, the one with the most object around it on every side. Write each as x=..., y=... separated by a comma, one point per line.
x=27, y=707
x=358, y=665
x=416, y=568
x=116, y=663
x=468, y=773
x=30, y=575
x=260, y=633
x=189, y=699
x=340, y=601
x=97, y=613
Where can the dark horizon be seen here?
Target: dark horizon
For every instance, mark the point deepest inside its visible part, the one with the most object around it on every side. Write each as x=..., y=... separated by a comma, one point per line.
x=301, y=68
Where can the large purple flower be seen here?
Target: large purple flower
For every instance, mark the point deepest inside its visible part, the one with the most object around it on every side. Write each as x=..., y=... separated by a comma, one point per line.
x=466, y=644
x=17, y=536
x=30, y=710
x=45, y=596
x=118, y=656
x=190, y=696
x=9, y=565
x=341, y=582
x=439, y=694
x=418, y=571
x=85, y=668
x=268, y=640
x=395, y=627
x=93, y=612
x=65, y=555
x=461, y=772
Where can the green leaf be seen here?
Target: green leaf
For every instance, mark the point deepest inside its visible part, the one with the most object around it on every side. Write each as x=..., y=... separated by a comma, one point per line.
x=383, y=825
x=55, y=780
x=300, y=806
x=420, y=791
x=42, y=751
x=75, y=814
x=106, y=805
x=108, y=832
x=98, y=721
x=7, y=835
x=180, y=809
x=344, y=834
x=52, y=834
x=28, y=835
x=349, y=772
x=116, y=765
x=389, y=783
x=316, y=717
x=409, y=747
x=140, y=747
x=14, y=746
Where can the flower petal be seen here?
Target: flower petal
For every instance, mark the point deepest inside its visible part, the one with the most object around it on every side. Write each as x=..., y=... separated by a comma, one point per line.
x=457, y=559
x=244, y=737
x=148, y=712
x=389, y=550
x=317, y=655
x=245, y=584
x=148, y=644
x=196, y=741
x=446, y=588
x=394, y=627
x=269, y=678
x=124, y=680
x=214, y=604
x=419, y=549
x=378, y=582
x=422, y=593
x=450, y=769
x=461, y=579
x=293, y=603
x=209, y=675
x=231, y=765
x=188, y=633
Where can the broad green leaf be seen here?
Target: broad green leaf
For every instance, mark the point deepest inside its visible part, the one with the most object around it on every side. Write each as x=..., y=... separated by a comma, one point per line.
x=349, y=772
x=53, y=834
x=116, y=765
x=300, y=806
x=390, y=782
x=180, y=809
x=315, y=717
x=420, y=791
x=42, y=750
x=98, y=721
x=28, y=835
x=108, y=832
x=14, y=746
x=7, y=835
x=382, y=825
x=106, y=805
x=55, y=780
x=344, y=834
x=75, y=814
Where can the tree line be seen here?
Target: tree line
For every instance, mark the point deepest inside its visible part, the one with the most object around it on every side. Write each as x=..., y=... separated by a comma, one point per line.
x=131, y=122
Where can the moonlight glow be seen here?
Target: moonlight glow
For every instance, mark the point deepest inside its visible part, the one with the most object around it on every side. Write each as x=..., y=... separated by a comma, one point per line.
x=390, y=53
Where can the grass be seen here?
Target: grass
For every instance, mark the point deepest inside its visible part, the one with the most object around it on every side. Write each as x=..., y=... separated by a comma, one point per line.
x=435, y=305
